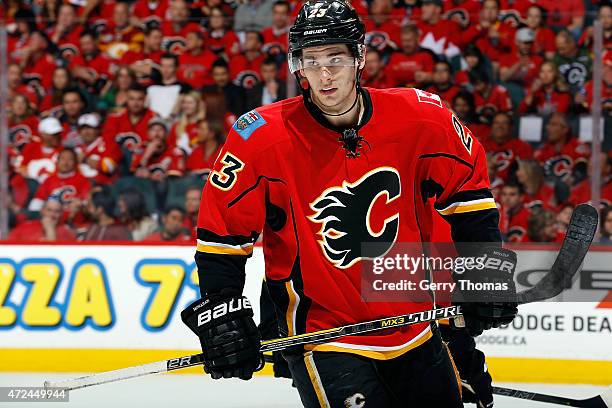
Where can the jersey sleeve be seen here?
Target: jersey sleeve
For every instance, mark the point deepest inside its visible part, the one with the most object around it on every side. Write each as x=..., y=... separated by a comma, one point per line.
x=232, y=210
x=453, y=170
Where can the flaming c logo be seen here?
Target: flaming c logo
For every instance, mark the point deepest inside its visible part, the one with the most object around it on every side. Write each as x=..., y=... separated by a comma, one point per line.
x=345, y=214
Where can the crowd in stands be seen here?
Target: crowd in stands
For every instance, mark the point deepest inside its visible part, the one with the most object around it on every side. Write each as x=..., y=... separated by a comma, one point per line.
x=118, y=109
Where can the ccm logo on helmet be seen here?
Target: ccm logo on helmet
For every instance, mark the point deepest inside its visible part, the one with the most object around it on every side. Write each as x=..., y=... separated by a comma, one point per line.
x=222, y=309
x=319, y=31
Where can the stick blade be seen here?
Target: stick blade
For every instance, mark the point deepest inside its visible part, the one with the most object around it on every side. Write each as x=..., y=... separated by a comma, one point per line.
x=578, y=238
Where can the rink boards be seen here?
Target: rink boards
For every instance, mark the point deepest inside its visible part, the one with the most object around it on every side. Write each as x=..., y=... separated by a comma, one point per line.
x=85, y=308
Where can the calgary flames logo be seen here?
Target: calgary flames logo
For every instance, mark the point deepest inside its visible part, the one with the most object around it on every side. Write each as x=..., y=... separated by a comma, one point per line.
x=345, y=215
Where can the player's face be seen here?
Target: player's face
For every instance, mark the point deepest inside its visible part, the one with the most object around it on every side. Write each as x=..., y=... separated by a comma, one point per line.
x=330, y=70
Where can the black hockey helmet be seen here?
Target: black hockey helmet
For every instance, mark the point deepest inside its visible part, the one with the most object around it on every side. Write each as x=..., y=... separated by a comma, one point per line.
x=323, y=22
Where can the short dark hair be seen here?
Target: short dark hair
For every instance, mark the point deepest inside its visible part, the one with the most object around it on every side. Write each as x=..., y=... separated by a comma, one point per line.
x=220, y=63
x=259, y=35
x=269, y=60
x=175, y=207
x=137, y=88
x=75, y=91
x=282, y=3
x=92, y=33
x=103, y=200
x=514, y=184
x=171, y=56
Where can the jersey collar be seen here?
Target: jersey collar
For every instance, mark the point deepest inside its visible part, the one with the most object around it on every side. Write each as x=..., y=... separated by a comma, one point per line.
x=320, y=118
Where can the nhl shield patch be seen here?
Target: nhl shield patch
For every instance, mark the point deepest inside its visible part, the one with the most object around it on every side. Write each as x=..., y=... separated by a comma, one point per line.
x=248, y=123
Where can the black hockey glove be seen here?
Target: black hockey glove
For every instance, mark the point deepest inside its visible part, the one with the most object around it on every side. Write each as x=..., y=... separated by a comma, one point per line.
x=476, y=381
x=488, y=295
x=228, y=335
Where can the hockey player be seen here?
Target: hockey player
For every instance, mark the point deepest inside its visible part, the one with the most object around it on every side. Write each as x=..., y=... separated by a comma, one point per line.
x=319, y=175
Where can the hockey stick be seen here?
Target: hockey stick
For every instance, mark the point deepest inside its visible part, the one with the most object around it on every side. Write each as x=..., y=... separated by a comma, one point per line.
x=603, y=400
x=579, y=236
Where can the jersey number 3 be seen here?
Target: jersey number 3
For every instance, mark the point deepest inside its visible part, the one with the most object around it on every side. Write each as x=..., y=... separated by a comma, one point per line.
x=225, y=178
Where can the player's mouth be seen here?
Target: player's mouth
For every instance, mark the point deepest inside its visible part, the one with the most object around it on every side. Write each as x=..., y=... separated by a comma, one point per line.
x=328, y=91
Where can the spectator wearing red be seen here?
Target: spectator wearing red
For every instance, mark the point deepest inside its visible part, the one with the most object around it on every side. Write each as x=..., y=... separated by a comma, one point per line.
x=176, y=27
x=172, y=227
x=463, y=12
x=546, y=94
x=49, y=228
x=120, y=35
x=193, y=195
x=100, y=209
x=22, y=123
x=183, y=133
x=17, y=39
x=90, y=67
x=245, y=67
x=585, y=97
x=544, y=37
x=67, y=184
x=605, y=16
x=276, y=37
x=374, y=75
x=581, y=192
x=129, y=127
x=150, y=11
x=202, y=158
x=411, y=66
x=514, y=216
x=465, y=108
x=382, y=30
x=492, y=36
x=158, y=160
x=504, y=148
x=562, y=154
x=66, y=31
x=146, y=61
x=16, y=86
x=115, y=93
x=573, y=63
x=567, y=14
x=443, y=82
x=98, y=157
x=38, y=62
x=537, y=193
x=442, y=37
x=522, y=65
x=61, y=81
x=270, y=89
x=37, y=159
x=195, y=62
x=219, y=39
x=489, y=97
x=73, y=106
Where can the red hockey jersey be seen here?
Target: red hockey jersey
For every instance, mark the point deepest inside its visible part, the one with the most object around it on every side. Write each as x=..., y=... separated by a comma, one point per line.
x=505, y=154
x=283, y=172
x=561, y=163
